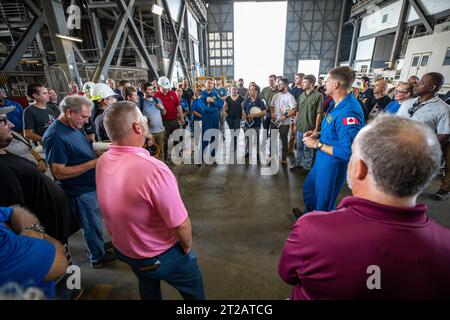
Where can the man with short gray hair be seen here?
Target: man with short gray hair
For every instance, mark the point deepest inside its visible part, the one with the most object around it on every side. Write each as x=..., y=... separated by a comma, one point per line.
x=143, y=210
x=378, y=244
x=72, y=161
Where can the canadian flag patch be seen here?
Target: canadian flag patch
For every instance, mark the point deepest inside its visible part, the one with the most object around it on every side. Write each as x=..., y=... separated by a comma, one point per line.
x=350, y=120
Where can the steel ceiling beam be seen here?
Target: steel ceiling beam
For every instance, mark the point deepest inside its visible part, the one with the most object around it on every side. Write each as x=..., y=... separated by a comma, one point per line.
x=57, y=24
x=177, y=44
x=422, y=15
x=103, y=66
x=17, y=52
x=177, y=39
x=153, y=70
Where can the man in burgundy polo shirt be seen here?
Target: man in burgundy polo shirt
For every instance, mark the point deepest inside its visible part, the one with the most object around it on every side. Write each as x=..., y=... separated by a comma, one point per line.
x=174, y=113
x=378, y=244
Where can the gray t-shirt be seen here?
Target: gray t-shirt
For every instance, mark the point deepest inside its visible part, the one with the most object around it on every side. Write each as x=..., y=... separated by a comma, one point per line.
x=154, y=114
x=435, y=113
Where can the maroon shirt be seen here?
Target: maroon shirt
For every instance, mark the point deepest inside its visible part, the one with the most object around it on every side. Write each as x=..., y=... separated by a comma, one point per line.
x=170, y=102
x=327, y=253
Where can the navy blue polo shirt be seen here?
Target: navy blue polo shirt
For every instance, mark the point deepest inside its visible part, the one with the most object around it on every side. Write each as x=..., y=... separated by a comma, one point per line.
x=249, y=104
x=69, y=146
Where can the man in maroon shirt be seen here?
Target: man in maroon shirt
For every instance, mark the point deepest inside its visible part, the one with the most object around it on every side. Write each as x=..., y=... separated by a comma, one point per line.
x=378, y=244
x=174, y=113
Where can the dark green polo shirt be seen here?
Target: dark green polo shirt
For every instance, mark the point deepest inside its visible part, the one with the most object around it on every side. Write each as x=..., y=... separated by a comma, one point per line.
x=308, y=106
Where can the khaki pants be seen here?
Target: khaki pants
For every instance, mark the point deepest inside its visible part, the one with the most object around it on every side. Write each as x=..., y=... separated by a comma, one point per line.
x=158, y=138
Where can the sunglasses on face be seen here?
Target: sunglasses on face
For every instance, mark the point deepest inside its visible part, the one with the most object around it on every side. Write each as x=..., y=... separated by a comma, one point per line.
x=414, y=108
x=400, y=91
x=4, y=121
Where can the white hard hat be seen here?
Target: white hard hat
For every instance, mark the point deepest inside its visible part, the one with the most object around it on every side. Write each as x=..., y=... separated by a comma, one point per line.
x=164, y=82
x=255, y=110
x=358, y=84
x=101, y=91
x=87, y=86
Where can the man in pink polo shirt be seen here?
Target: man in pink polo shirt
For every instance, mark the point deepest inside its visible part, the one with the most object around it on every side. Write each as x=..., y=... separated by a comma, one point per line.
x=378, y=244
x=143, y=210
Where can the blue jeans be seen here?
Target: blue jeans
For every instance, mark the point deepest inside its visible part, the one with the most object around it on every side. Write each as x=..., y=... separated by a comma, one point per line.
x=173, y=266
x=86, y=206
x=304, y=157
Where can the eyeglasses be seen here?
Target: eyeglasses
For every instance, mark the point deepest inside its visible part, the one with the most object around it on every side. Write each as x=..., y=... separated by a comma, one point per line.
x=4, y=121
x=399, y=91
x=416, y=106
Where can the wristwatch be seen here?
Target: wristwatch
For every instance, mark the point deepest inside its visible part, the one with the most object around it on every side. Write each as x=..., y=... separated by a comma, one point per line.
x=319, y=145
x=35, y=227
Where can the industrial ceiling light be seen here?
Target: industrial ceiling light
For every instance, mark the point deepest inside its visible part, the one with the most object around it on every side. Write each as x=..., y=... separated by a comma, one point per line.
x=157, y=9
x=70, y=38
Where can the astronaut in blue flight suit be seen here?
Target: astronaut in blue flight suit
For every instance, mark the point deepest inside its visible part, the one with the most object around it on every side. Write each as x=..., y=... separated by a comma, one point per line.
x=212, y=106
x=340, y=126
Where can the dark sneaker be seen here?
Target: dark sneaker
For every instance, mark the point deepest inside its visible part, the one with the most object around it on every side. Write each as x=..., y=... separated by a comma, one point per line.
x=441, y=195
x=108, y=258
x=108, y=245
x=297, y=212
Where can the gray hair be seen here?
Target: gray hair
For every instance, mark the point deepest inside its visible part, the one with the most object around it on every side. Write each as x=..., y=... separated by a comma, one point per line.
x=119, y=117
x=75, y=103
x=402, y=155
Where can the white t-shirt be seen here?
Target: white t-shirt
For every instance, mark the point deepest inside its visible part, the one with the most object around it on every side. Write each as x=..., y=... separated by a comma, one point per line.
x=280, y=100
x=435, y=113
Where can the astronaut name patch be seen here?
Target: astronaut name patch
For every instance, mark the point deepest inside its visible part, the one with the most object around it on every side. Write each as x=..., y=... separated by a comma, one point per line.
x=350, y=120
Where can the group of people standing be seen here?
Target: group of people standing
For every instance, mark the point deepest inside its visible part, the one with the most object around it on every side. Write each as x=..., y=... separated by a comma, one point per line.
x=138, y=198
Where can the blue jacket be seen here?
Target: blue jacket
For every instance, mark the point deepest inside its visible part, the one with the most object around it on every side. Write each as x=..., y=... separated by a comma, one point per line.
x=340, y=126
x=197, y=106
x=15, y=116
x=392, y=107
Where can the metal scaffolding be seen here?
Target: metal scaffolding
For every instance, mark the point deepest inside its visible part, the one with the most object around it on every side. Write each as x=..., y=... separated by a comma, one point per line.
x=121, y=33
x=312, y=33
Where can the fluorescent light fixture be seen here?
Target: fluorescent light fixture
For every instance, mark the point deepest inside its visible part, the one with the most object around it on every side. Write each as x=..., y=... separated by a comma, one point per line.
x=157, y=9
x=70, y=38
x=25, y=61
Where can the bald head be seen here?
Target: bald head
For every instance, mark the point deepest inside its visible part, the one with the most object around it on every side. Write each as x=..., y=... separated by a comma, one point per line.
x=402, y=155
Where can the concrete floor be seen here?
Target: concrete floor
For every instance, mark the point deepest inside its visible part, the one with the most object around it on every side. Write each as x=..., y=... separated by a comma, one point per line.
x=240, y=221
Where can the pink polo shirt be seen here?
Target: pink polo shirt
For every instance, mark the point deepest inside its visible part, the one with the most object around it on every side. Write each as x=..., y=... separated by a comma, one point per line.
x=139, y=200
x=328, y=254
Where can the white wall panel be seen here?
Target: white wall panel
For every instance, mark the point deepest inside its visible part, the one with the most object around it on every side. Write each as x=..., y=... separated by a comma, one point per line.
x=365, y=49
x=373, y=23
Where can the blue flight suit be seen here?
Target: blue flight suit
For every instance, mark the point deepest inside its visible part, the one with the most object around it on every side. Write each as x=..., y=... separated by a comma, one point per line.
x=185, y=107
x=339, y=128
x=210, y=117
x=222, y=92
x=197, y=106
